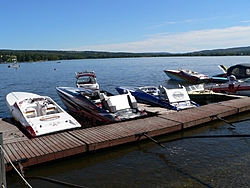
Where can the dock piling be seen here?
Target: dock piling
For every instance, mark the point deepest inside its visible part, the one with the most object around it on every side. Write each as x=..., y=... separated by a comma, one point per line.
x=3, y=175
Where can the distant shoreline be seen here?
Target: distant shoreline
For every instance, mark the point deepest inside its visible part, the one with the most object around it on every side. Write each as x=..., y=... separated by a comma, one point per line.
x=7, y=56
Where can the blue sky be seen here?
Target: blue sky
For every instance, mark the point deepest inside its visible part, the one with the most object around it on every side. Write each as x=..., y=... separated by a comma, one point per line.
x=124, y=26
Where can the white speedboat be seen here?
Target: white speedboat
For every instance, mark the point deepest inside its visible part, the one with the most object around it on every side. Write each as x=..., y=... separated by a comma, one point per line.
x=14, y=65
x=87, y=80
x=39, y=115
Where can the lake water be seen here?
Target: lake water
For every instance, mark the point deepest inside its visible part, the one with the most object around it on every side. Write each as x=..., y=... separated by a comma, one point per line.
x=200, y=162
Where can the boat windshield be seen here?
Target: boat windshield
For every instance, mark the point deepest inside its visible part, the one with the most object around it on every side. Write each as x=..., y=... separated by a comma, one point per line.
x=86, y=80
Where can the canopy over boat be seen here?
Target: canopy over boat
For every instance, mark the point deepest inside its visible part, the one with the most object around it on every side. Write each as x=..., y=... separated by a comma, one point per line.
x=240, y=71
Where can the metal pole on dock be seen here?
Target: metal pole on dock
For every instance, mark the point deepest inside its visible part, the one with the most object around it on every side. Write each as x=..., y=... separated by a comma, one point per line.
x=2, y=165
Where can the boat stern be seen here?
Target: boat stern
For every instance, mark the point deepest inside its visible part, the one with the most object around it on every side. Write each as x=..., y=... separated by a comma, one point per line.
x=51, y=123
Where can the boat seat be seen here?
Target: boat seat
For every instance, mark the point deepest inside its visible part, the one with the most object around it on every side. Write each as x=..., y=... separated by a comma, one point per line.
x=51, y=109
x=103, y=96
x=132, y=101
x=110, y=106
x=163, y=93
x=117, y=102
x=162, y=89
x=30, y=112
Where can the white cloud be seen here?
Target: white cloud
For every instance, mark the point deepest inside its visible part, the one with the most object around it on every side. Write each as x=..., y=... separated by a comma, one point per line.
x=183, y=42
x=245, y=21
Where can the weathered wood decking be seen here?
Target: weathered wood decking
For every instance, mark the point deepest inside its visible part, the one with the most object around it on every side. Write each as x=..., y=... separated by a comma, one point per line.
x=69, y=143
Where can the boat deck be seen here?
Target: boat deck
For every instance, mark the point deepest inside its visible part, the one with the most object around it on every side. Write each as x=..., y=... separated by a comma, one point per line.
x=69, y=143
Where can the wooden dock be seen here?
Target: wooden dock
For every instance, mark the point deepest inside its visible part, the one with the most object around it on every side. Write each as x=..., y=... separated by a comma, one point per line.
x=69, y=143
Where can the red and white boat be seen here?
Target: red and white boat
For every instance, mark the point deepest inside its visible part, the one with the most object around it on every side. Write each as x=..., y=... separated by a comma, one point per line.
x=187, y=76
x=241, y=87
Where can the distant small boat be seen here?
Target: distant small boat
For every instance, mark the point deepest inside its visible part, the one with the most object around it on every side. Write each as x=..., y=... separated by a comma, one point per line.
x=87, y=80
x=185, y=75
x=14, y=65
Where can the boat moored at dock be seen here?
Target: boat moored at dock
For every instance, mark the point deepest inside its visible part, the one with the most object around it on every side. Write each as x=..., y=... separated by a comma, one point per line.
x=39, y=115
x=101, y=107
x=240, y=87
x=173, y=99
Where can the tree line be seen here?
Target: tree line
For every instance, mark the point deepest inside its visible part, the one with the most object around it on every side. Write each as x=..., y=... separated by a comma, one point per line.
x=50, y=55
x=37, y=55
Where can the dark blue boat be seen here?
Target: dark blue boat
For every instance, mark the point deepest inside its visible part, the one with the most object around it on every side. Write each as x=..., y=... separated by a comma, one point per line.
x=173, y=99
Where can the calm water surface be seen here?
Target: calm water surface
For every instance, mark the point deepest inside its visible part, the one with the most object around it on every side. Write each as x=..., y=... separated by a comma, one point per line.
x=210, y=162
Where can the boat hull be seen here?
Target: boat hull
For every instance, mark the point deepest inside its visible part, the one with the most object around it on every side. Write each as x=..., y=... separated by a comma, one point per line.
x=240, y=88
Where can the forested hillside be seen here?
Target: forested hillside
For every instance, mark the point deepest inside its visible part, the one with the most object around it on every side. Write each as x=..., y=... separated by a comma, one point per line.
x=52, y=55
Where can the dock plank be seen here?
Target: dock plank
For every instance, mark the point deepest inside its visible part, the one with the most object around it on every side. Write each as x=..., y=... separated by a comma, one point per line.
x=10, y=131
x=243, y=104
x=74, y=140
x=10, y=151
x=19, y=151
x=84, y=134
x=42, y=142
x=30, y=155
x=27, y=150
x=202, y=114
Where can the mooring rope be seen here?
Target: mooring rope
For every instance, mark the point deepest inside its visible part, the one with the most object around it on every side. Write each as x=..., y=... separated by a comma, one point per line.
x=15, y=167
x=208, y=136
x=55, y=181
